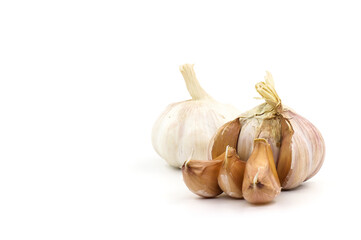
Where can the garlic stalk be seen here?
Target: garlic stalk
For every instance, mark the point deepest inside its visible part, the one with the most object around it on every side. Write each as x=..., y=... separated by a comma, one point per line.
x=185, y=128
x=297, y=146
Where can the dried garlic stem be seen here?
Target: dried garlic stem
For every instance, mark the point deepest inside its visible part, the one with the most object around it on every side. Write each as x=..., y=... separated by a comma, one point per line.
x=267, y=91
x=193, y=86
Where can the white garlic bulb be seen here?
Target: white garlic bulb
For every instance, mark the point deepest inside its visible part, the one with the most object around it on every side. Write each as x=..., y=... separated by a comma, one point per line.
x=297, y=146
x=185, y=128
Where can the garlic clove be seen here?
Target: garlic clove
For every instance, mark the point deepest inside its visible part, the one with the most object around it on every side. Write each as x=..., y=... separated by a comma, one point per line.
x=312, y=140
x=226, y=135
x=253, y=128
x=271, y=131
x=230, y=176
x=260, y=183
x=248, y=133
x=201, y=177
x=285, y=158
x=302, y=150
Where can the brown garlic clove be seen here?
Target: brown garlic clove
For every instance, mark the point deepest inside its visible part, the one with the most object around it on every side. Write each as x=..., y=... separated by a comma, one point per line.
x=260, y=183
x=285, y=158
x=230, y=176
x=201, y=177
x=226, y=135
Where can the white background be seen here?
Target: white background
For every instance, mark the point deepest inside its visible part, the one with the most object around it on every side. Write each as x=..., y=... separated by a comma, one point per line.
x=82, y=82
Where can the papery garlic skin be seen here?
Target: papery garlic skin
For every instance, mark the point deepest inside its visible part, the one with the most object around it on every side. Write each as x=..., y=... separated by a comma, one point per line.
x=297, y=146
x=185, y=128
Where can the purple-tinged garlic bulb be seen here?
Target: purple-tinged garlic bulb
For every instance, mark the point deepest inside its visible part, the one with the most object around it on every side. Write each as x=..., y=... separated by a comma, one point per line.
x=298, y=148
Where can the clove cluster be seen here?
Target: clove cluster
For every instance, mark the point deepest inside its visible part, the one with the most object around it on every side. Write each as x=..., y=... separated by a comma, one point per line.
x=255, y=180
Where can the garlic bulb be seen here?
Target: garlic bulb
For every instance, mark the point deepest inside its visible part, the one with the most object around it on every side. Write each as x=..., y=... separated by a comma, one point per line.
x=297, y=146
x=185, y=128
